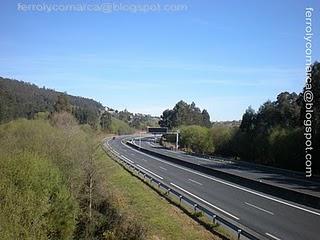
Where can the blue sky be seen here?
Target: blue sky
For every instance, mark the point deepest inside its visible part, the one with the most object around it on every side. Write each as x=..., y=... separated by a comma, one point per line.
x=223, y=55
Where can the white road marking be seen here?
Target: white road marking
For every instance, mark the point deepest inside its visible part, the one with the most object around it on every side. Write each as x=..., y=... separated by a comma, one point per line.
x=206, y=202
x=163, y=168
x=274, y=237
x=229, y=184
x=127, y=159
x=261, y=209
x=194, y=181
x=206, y=160
x=150, y=172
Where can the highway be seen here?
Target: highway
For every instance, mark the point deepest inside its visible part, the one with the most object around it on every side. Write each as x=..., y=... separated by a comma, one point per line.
x=273, y=176
x=271, y=217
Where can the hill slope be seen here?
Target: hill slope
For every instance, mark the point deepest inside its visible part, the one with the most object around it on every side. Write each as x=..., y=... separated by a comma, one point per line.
x=20, y=99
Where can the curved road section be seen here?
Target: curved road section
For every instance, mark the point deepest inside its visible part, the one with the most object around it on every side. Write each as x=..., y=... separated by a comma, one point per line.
x=293, y=181
x=271, y=217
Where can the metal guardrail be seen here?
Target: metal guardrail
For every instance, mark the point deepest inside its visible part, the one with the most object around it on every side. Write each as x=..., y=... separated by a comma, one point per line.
x=240, y=231
x=274, y=190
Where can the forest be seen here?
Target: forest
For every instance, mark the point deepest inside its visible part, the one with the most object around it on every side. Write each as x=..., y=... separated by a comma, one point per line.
x=20, y=99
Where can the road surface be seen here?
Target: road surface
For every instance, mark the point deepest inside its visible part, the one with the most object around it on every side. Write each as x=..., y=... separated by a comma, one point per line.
x=274, y=176
x=271, y=217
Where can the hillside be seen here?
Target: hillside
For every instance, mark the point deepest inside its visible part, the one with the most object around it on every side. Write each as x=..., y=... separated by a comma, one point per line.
x=20, y=99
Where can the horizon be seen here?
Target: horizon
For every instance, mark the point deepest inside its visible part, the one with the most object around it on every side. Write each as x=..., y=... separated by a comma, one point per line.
x=222, y=56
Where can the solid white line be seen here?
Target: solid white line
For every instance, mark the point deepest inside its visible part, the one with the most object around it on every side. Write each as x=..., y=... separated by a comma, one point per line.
x=274, y=237
x=195, y=181
x=116, y=152
x=206, y=202
x=150, y=172
x=261, y=209
x=229, y=184
x=125, y=158
x=206, y=160
x=163, y=168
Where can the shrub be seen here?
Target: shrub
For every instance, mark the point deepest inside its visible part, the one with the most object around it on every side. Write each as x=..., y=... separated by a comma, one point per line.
x=35, y=202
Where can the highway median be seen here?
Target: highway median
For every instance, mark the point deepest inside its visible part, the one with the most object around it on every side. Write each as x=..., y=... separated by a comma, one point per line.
x=283, y=193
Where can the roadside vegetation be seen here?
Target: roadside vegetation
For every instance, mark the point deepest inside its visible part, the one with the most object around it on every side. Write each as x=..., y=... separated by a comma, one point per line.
x=160, y=219
x=52, y=186
x=273, y=135
x=58, y=183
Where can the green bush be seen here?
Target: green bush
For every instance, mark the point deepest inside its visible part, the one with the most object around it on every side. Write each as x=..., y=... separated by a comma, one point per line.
x=282, y=142
x=196, y=138
x=36, y=203
x=49, y=173
x=222, y=137
x=120, y=127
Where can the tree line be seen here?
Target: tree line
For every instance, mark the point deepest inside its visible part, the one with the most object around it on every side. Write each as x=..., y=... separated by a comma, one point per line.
x=273, y=135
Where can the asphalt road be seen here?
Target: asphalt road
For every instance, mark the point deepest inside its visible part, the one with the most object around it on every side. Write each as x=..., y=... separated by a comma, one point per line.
x=273, y=176
x=272, y=217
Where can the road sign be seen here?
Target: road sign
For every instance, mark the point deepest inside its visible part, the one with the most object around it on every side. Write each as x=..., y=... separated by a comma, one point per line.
x=157, y=130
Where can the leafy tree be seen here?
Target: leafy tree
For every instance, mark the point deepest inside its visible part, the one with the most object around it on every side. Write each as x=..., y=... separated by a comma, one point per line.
x=105, y=121
x=205, y=118
x=166, y=119
x=62, y=104
x=248, y=120
x=196, y=139
x=184, y=114
x=125, y=115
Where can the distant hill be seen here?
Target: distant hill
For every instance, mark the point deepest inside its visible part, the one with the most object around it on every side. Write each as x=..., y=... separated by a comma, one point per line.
x=20, y=99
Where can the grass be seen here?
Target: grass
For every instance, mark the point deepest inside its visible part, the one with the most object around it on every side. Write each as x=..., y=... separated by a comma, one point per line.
x=161, y=219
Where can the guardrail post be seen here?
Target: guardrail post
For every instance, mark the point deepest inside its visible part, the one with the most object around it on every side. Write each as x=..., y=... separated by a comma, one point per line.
x=168, y=191
x=195, y=208
x=239, y=233
x=214, y=221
